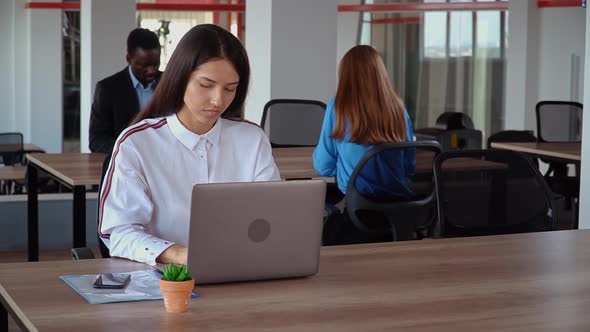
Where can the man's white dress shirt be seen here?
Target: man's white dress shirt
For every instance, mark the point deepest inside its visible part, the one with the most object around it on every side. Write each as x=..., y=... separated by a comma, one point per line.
x=146, y=194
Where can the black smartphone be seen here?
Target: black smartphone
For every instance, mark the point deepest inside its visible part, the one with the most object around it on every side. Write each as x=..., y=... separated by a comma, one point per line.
x=112, y=280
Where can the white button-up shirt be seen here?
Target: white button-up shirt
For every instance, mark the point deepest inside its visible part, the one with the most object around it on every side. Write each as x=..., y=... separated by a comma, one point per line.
x=146, y=194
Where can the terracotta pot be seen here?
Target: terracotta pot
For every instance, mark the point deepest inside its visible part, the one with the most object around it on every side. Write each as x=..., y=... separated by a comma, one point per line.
x=176, y=294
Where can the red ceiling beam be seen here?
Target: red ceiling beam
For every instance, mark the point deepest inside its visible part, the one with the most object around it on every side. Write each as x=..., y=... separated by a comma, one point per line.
x=559, y=3
x=53, y=5
x=194, y=6
x=187, y=1
x=207, y=7
x=423, y=7
x=396, y=20
x=204, y=5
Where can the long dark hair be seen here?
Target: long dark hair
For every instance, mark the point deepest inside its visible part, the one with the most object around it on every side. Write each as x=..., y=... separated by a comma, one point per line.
x=199, y=45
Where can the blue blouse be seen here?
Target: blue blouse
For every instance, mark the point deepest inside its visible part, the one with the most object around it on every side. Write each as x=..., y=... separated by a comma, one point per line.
x=385, y=174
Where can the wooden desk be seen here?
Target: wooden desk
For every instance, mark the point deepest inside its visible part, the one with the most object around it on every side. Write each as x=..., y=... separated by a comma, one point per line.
x=295, y=163
x=9, y=174
x=17, y=151
x=298, y=163
x=27, y=147
x=76, y=171
x=30, y=148
x=526, y=282
x=562, y=151
x=12, y=172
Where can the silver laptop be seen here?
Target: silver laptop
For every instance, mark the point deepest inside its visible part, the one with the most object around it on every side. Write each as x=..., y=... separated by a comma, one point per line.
x=255, y=230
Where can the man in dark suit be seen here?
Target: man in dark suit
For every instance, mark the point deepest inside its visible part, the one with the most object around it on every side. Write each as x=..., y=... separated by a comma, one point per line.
x=120, y=97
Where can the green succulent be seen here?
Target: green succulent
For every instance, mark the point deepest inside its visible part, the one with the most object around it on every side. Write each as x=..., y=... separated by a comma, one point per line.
x=173, y=272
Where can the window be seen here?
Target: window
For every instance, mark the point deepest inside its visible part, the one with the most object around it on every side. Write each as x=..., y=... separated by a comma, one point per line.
x=488, y=33
x=458, y=33
x=461, y=34
x=435, y=34
x=170, y=28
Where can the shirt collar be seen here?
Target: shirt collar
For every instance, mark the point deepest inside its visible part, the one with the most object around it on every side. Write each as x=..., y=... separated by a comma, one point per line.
x=190, y=139
x=136, y=82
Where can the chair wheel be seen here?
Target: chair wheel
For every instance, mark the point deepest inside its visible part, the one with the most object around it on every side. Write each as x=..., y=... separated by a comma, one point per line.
x=82, y=253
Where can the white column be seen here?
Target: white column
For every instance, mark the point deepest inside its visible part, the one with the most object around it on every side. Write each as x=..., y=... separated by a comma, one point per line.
x=561, y=53
x=31, y=88
x=45, y=78
x=348, y=32
x=258, y=44
x=7, y=30
x=104, y=26
x=15, y=67
x=22, y=98
x=584, y=216
x=521, y=86
x=292, y=47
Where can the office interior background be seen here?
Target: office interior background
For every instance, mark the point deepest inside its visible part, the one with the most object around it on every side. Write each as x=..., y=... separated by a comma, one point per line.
x=493, y=60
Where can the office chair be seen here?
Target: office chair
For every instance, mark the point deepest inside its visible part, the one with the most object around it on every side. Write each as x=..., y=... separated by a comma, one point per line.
x=454, y=131
x=560, y=121
x=507, y=136
x=11, y=148
x=491, y=192
x=454, y=120
x=297, y=123
x=293, y=122
x=460, y=139
x=518, y=136
x=387, y=216
x=86, y=253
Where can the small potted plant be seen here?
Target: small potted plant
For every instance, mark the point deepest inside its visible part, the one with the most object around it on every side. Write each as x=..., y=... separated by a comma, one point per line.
x=176, y=285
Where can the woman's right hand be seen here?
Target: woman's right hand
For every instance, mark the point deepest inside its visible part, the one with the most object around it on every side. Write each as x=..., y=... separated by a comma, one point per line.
x=176, y=254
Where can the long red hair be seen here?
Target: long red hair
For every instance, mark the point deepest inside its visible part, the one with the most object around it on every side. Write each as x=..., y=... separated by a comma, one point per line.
x=366, y=104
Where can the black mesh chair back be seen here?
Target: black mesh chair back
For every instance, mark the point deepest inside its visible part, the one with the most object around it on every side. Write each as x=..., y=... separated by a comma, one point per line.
x=11, y=148
x=559, y=121
x=293, y=122
x=104, y=251
x=403, y=216
x=484, y=192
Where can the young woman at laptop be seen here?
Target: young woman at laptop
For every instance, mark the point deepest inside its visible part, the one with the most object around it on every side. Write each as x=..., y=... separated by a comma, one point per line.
x=191, y=132
x=366, y=111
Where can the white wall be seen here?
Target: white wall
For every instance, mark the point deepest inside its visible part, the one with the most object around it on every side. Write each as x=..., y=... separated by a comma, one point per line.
x=21, y=81
x=7, y=66
x=31, y=64
x=304, y=49
x=45, y=79
x=258, y=45
x=14, y=66
x=584, y=216
x=562, y=32
x=544, y=59
x=104, y=25
x=348, y=30
x=521, y=65
x=292, y=47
